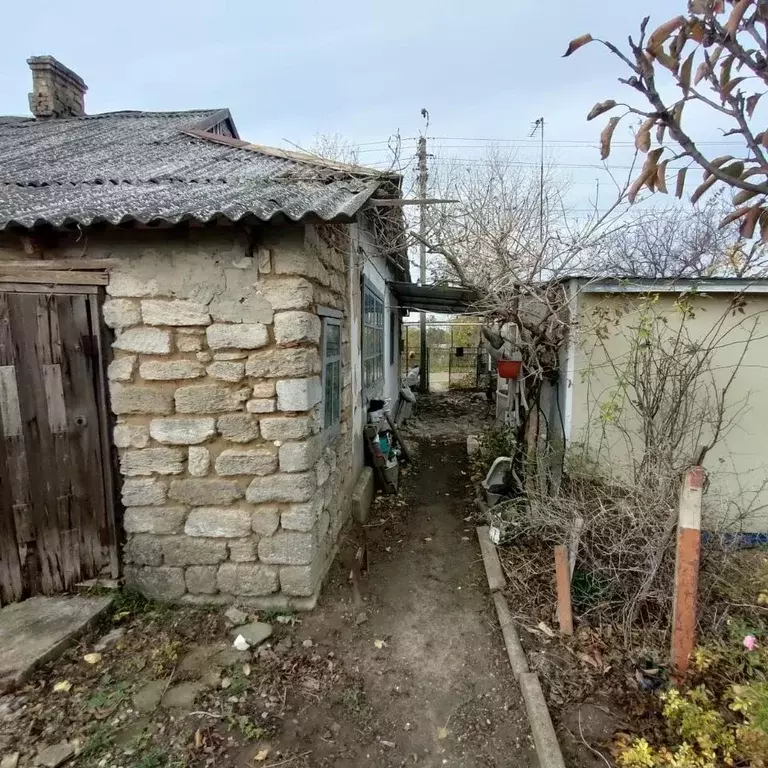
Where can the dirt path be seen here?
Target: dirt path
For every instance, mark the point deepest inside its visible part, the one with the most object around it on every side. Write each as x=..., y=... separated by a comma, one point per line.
x=439, y=691
x=419, y=677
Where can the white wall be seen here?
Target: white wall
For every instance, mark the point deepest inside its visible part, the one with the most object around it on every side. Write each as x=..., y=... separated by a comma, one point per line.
x=377, y=270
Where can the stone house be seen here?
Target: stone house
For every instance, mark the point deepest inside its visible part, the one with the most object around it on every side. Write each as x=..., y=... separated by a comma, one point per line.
x=191, y=327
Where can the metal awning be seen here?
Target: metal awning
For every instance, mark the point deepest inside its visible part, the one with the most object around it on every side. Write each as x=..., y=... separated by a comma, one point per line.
x=434, y=298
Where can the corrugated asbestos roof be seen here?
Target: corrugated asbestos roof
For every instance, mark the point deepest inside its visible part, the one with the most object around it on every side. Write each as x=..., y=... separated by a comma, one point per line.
x=161, y=168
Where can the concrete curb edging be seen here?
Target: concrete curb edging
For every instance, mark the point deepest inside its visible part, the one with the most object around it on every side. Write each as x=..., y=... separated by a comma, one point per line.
x=542, y=729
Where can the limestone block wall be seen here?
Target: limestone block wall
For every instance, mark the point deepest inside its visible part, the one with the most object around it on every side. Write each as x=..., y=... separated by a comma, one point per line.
x=230, y=487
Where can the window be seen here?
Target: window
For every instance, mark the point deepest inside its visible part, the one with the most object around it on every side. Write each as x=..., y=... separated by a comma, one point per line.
x=331, y=372
x=373, y=337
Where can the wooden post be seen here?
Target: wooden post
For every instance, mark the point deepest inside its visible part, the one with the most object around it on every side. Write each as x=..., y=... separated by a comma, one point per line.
x=563, y=577
x=687, y=568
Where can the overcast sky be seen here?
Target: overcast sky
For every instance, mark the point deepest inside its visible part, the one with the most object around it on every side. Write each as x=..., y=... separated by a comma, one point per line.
x=292, y=69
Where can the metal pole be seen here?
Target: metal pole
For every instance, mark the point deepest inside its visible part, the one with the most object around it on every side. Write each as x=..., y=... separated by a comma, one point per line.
x=422, y=166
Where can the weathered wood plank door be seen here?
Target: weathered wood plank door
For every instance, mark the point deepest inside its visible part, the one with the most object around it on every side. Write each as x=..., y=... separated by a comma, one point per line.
x=56, y=526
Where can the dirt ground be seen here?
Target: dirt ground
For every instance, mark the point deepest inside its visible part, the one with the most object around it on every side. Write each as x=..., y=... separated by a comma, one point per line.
x=417, y=677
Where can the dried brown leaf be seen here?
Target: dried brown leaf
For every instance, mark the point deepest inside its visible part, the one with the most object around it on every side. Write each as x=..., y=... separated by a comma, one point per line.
x=696, y=31
x=752, y=103
x=735, y=169
x=643, y=137
x=661, y=33
x=665, y=59
x=748, y=222
x=600, y=108
x=685, y=74
x=640, y=182
x=680, y=185
x=725, y=70
x=605, y=137
x=702, y=71
x=733, y=216
x=701, y=189
x=661, y=177
x=731, y=84
x=763, y=228
x=717, y=162
x=741, y=197
x=737, y=14
x=660, y=129
x=577, y=43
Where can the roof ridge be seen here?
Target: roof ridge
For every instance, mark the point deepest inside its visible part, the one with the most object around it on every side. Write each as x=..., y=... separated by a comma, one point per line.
x=286, y=154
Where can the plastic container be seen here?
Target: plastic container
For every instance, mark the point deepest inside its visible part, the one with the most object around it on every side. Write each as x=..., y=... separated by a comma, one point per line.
x=509, y=369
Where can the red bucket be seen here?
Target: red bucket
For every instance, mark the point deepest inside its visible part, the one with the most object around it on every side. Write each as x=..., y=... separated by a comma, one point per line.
x=509, y=369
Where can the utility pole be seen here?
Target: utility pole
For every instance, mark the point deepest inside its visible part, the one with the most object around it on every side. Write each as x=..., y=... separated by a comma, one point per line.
x=539, y=124
x=421, y=154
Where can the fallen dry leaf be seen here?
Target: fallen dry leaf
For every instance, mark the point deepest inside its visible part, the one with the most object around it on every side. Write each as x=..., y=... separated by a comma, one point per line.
x=261, y=755
x=92, y=658
x=442, y=733
x=64, y=686
x=545, y=629
x=379, y=644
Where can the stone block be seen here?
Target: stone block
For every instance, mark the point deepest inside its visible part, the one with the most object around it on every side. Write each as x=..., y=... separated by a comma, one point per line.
x=283, y=362
x=287, y=548
x=247, y=579
x=238, y=427
x=188, y=343
x=157, y=583
x=362, y=495
x=296, y=327
x=265, y=519
x=219, y=522
x=144, y=549
x=174, y=312
x=243, y=550
x=301, y=517
x=187, y=550
x=201, y=579
x=149, y=341
x=141, y=493
x=209, y=398
x=231, y=355
x=259, y=461
x=159, y=520
x=151, y=461
x=253, y=308
x=298, y=457
x=198, y=461
x=298, y=394
x=201, y=493
x=322, y=471
x=122, y=368
x=205, y=356
x=262, y=389
x=126, y=399
x=121, y=313
x=130, y=435
x=299, y=580
x=285, y=427
x=243, y=336
x=261, y=405
x=297, y=487
x=287, y=292
x=182, y=431
x=170, y=370
x=226, y=370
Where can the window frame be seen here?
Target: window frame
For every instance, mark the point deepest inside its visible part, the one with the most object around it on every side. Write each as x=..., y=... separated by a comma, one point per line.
x=330, y=318
x=380, y=327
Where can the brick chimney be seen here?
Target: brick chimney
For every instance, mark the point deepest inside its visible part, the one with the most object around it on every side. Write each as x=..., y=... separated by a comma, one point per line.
x=56, y=90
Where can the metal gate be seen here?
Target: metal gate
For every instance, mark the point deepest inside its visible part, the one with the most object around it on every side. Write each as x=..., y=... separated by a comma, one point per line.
x=56, y=511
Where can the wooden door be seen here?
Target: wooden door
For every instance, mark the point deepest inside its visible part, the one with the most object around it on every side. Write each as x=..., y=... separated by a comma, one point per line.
x=56, y=522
